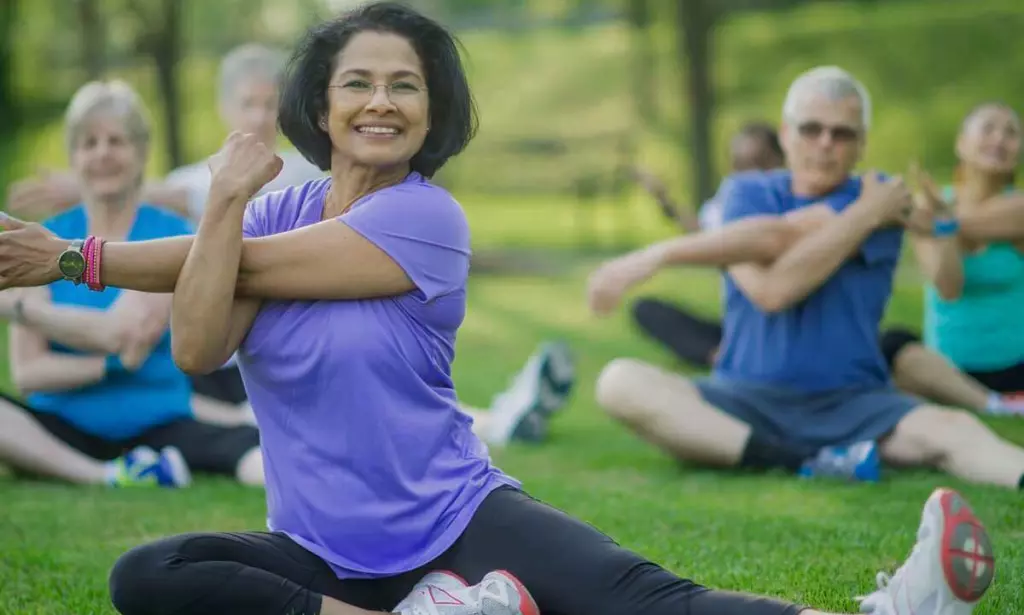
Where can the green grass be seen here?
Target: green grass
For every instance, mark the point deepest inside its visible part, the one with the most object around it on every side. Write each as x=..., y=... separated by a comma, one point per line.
x=819, y=543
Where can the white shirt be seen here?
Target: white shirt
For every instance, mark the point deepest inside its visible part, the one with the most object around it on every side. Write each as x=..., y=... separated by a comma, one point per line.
x=196, y=179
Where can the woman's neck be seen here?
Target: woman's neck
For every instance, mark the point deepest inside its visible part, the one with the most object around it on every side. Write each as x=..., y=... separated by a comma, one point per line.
x=111, y=218
x=974, y=187
x=350, y=183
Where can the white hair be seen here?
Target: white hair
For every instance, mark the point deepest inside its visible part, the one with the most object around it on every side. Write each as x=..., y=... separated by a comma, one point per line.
x=832, y=82
x=115, y=98
x=248, y=62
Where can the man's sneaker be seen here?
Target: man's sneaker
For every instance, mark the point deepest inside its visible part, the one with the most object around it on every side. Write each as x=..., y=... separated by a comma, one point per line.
x=538, y=391
x=445, y=593
x=949, y=569
x=144, y=467
x=858, y=462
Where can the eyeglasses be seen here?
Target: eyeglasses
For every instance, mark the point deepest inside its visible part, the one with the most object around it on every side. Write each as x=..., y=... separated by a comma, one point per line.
x=362, y=90
x=839, y=134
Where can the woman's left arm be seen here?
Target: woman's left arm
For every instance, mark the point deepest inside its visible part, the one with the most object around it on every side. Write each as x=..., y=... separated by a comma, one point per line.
x=1001, y=218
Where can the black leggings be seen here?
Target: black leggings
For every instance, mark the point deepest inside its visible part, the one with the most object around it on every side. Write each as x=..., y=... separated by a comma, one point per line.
x=691, y=338
x=568, y=566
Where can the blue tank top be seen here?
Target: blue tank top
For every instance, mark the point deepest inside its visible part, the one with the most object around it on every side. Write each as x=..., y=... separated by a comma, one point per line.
x=982, y=330
x=124, y=404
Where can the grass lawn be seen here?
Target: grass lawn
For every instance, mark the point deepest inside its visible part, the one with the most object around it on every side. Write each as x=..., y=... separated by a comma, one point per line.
x=819, y=543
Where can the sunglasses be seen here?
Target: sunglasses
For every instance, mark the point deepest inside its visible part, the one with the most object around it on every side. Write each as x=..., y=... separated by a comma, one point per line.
x=839, y=134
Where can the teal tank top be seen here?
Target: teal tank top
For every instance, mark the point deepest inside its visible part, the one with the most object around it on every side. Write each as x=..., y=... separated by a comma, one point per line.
x=983, y=329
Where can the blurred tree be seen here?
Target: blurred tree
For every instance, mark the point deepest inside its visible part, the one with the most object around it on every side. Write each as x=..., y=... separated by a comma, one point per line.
x=93, y=48
x=638, y=13
x=158, y=36
x=9, y=106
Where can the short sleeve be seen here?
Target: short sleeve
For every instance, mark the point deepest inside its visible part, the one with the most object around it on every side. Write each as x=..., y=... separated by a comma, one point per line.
x=743, y=196
x=424, y=230
x=253, y=222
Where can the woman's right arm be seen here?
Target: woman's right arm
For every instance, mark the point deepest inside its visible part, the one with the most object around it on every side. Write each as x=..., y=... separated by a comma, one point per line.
x=941, y=262
x=35, y=368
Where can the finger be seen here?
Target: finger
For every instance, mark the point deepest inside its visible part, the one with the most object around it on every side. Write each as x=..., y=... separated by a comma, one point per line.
x=10, y=223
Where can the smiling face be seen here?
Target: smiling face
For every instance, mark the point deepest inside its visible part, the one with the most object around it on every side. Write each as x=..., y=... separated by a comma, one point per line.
x=990, y=140
x=108, y=163
x=378, y=109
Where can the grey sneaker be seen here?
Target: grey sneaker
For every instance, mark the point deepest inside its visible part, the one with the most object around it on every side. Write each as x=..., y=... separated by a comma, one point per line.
x=445, y=593
x=540, y=389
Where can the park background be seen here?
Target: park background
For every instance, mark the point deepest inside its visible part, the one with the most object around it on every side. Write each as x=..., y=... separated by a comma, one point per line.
x=571, y=93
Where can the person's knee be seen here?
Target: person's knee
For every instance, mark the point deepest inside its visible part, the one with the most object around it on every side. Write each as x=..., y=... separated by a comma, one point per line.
x=138, y=577
x=894, y=342
x=942, y=432
x=250, y=468
x=617, y=386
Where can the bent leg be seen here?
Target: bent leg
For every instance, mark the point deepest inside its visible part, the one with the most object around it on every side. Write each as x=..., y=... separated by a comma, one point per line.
x=668, y=411
x=28, y=446
x=920, y=371
x=252, y=573
x=956, y=442
x=571, y=568
x=691, y=338
x=213, y=449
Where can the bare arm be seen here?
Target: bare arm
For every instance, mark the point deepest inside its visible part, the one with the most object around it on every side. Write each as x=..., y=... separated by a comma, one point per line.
x=35, y=368
x=811, y=261
x=941, y=262
x=94, y=330
x=1001, y=218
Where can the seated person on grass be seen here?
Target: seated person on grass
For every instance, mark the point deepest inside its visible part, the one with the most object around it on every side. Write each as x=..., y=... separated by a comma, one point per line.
x=105, y=401
x=975, y=265
x=918, y=369
x=801, y=382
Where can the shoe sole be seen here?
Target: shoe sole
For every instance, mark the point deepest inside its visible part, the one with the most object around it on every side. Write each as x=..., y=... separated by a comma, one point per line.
x=180, y=473
x=557, y=370
x=527, y=605
x=968, y=560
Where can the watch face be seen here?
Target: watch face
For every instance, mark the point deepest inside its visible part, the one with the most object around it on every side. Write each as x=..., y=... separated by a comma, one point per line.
x=71, y=264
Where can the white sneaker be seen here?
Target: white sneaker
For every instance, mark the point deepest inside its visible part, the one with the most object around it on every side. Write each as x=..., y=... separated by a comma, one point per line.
x=445, y=593
x=950, y=568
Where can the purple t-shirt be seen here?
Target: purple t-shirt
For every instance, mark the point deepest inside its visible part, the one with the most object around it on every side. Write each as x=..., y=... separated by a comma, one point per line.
x=369, y=462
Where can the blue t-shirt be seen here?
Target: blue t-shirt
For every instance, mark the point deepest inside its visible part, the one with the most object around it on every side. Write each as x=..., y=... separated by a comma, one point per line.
x=124, y=404
x=829, y=340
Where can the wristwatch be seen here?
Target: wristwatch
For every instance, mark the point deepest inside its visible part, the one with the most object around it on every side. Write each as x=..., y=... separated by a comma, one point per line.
x=71, y=262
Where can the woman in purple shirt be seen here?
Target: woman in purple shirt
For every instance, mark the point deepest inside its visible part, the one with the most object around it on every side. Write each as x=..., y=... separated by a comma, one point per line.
x=343, y=297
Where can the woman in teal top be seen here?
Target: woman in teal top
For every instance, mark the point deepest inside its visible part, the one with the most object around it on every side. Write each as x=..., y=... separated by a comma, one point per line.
x=975, y=266
x=104, y=400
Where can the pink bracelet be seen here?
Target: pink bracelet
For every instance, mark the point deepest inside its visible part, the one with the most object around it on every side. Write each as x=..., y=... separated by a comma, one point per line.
x=93, y=252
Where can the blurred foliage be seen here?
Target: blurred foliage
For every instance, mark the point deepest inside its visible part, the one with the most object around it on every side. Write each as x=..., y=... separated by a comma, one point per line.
x=561, y=78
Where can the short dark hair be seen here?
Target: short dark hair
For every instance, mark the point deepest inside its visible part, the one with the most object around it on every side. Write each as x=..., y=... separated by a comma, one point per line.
x=766, y=132
x=453, y=119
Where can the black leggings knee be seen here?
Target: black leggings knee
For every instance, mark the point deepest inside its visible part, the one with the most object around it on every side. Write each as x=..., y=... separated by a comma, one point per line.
x=893, y=341
x=570, y=568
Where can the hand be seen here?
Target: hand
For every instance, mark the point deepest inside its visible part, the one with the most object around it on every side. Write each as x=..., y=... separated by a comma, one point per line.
x=141, y=324
x=243, y=166
x=928, y=203
x=610, y=282
x=889, y=199
x=44, y=195
x=28, y=254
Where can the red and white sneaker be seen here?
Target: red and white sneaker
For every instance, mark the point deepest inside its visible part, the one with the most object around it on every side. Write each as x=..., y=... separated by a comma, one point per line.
x=445, y=593
x=950, y=568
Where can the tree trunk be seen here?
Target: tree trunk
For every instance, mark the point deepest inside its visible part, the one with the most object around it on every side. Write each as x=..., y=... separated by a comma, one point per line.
x=642, y=82
x=93, y=51
x=695, y=27
x=9, y=106
x=166, y=53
